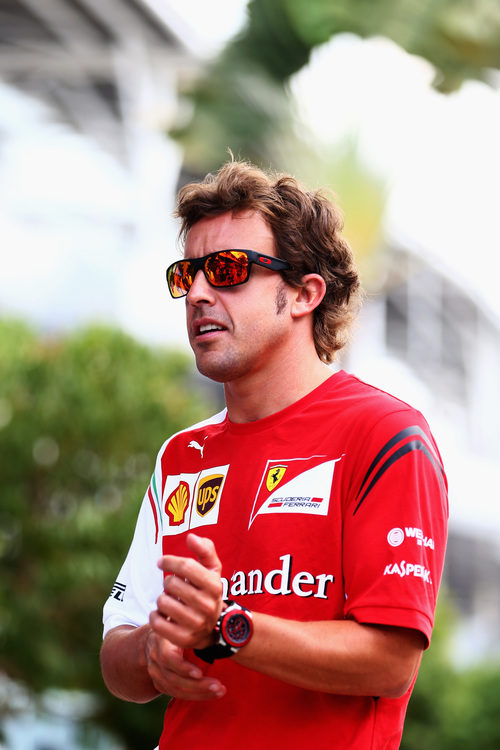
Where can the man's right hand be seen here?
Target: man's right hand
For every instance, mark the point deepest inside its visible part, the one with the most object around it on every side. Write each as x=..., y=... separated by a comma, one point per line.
x=174, y=675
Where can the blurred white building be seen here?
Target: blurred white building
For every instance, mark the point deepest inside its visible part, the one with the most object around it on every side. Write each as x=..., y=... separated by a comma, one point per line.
x=430, y=341
x=109, y=69
x=87, y=175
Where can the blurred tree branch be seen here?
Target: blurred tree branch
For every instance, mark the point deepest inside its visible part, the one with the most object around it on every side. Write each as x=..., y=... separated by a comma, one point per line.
x=241, y=102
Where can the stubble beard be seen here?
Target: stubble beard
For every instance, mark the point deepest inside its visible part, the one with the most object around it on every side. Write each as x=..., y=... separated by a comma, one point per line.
x=219, y=368
x=230, y=365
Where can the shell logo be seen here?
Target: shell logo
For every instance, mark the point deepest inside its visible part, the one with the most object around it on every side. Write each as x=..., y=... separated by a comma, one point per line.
x=177, y=504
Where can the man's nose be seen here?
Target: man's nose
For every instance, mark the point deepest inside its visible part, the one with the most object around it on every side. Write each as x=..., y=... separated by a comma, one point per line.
x=200, y=290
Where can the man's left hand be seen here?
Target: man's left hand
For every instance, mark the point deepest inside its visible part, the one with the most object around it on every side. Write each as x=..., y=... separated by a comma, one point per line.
x=192, y=600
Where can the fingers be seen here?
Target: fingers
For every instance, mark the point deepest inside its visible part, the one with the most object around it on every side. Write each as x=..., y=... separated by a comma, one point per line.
x=188, y=610
x=207, y=559
x=188, y=630
x=191, y=571
x=185, y=619
x=196, y=613
x=204, y=549
x=204, y=598
x=174, y=675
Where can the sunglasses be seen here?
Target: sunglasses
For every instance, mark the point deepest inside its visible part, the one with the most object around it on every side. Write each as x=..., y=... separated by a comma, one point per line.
x=221, y=269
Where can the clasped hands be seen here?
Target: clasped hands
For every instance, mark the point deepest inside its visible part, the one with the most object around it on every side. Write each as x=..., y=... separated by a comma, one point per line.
x=185, y=618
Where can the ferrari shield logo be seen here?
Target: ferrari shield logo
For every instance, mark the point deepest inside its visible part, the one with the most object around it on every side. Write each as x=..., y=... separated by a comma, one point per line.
x=274, y=477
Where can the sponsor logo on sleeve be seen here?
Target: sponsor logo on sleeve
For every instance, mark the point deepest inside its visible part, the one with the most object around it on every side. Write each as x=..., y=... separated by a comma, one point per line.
x=118, y=591
x=404, y=569
x=396, y=537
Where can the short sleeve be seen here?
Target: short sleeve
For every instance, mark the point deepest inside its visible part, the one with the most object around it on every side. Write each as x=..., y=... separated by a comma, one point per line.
x=395, y=525
x=139, y=581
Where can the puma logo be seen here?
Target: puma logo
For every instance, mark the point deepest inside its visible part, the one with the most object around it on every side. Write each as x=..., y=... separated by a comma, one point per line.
x=197, y=446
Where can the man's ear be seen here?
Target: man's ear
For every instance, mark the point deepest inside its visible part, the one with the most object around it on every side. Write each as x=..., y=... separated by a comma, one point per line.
x=308, y=296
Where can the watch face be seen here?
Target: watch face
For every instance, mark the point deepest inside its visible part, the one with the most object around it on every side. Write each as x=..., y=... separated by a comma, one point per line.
x=236, y=629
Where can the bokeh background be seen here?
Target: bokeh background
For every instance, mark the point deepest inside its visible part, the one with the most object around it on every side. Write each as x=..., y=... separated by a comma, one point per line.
x=106, y=108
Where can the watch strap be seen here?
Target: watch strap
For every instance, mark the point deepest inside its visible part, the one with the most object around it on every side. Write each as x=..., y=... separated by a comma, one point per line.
x=221, y=649
x=211, y=653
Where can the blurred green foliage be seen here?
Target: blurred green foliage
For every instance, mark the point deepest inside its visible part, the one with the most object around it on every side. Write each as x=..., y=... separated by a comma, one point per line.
x=81, y=421
x=241, y=102
x=452, y=707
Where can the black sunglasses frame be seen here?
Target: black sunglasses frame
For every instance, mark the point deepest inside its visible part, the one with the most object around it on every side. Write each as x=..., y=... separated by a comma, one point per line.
x=199, y=264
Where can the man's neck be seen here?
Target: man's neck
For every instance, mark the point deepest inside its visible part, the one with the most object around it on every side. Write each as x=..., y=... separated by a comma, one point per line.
x=266, y=392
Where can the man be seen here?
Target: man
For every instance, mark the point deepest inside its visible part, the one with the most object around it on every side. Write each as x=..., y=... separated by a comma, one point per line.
x=300, y=533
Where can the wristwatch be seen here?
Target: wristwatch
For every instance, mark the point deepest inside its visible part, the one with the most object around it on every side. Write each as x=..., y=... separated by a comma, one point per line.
x=232, y=631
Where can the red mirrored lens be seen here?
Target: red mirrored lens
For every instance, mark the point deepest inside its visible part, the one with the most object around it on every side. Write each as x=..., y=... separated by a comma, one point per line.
x=180, y=278
x=227, y=268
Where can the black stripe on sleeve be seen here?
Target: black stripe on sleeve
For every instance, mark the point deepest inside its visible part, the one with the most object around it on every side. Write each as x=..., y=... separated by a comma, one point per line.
x=413, y=430
x=412, y=445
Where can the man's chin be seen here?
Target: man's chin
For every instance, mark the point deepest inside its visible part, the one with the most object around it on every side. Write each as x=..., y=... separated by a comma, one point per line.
x=210, y=368
x=218, y=369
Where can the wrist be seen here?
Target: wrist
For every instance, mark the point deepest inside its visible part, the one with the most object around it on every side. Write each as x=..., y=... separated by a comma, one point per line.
x=232, y=631
x=212, y=637
x=146, y=645
x=207, y=642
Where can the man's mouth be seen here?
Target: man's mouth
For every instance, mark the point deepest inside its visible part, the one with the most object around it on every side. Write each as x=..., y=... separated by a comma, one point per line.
x=210, y=327
x=202, y=329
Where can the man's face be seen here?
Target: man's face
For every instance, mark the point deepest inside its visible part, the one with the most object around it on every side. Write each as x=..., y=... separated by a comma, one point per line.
x=236, y=331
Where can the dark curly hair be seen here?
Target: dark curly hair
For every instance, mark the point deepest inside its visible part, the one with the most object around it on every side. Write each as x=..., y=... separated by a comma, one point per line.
x=307, y=231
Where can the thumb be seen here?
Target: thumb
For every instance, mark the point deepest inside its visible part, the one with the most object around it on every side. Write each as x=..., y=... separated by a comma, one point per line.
x=205, y=552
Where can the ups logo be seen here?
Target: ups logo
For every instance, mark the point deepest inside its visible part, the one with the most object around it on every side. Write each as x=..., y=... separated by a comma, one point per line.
x=208, y=492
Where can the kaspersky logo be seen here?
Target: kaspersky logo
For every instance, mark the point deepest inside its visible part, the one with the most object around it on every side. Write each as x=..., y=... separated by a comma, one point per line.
x=208, y=492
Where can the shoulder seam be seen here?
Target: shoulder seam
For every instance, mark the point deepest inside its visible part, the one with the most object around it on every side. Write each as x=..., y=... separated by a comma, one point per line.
x=214, y=419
